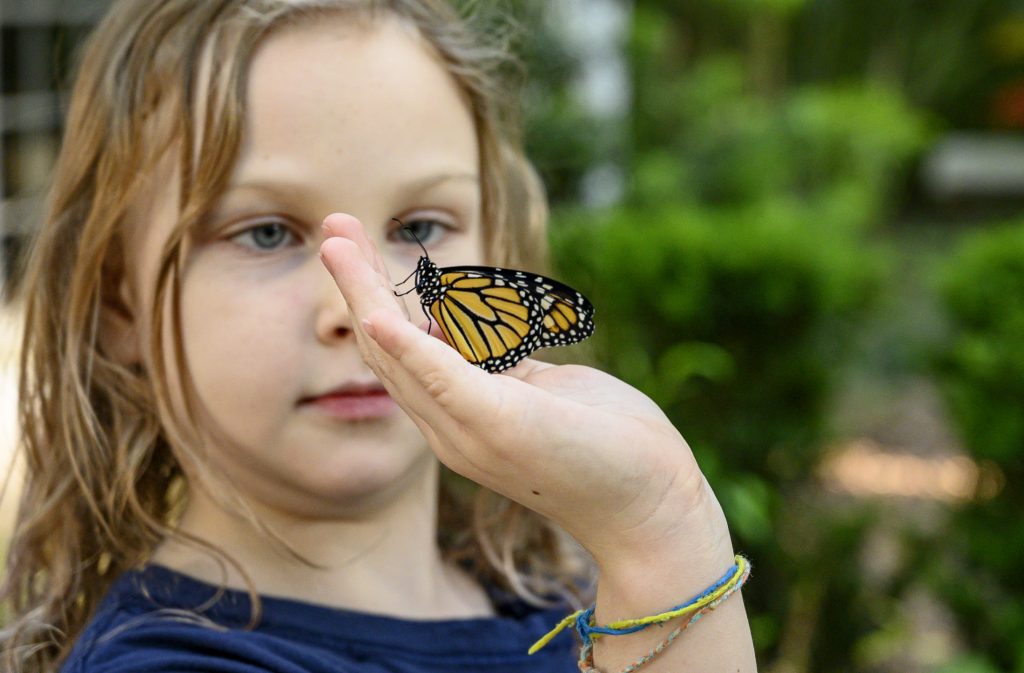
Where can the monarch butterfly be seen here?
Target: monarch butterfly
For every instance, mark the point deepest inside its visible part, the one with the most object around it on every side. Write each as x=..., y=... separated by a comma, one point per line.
x=496, y=317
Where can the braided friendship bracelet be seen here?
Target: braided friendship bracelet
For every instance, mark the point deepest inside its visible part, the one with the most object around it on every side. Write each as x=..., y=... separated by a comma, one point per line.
x=704, y=602
x=586, y=663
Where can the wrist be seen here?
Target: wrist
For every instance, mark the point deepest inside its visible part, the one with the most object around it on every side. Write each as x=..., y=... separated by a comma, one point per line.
x=674, y=564
x=658, y=572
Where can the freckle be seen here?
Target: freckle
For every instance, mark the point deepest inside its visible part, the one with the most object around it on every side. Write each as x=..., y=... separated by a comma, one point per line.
x=536, y=492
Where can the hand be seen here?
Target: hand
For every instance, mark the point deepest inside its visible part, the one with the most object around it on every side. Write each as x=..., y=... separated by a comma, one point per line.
x=570, y=442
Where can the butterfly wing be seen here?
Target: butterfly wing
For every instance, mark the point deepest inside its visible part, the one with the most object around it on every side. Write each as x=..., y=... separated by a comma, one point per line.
x=567, y=316
x=496, y=317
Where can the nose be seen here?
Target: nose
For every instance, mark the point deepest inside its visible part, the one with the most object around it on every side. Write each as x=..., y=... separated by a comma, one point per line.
x=333, y=322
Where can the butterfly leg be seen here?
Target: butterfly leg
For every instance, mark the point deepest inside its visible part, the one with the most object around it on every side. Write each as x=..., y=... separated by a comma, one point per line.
x=406, y=279
x=430, y=320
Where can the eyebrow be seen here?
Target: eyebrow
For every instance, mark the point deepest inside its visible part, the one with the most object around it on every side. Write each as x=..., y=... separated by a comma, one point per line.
x=434, y=180
x=414, y=186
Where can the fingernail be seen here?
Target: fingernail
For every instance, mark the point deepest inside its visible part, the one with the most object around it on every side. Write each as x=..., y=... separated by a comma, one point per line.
x=370, y=329
x=324, y=228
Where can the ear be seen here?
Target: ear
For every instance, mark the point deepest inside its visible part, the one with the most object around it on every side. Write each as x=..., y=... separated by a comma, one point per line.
x=119, y=333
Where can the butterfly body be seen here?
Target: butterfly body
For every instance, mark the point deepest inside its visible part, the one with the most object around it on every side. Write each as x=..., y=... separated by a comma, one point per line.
x=496, y=317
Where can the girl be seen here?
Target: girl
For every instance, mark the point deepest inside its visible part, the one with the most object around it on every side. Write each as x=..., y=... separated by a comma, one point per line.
x=232, y=430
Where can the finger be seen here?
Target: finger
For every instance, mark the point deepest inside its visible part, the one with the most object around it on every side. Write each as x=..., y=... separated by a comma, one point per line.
x=364, y=288
x=465, y=392
x=433, y=329
x=347, y=226
x=445, y=435
x=364, y=291
x=365, y=294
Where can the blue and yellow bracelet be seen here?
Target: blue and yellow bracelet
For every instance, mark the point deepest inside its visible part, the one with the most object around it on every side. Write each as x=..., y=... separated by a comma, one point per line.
x=698, y=606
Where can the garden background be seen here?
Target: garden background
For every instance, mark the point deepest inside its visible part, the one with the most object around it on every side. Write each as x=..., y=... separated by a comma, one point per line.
x=801, y=223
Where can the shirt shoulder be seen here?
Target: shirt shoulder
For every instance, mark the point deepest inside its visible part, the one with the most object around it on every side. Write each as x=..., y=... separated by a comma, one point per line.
x=151, y=648
x=131, y=634
x=150, y=622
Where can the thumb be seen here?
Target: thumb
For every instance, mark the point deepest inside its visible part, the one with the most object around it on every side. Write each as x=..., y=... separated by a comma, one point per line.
x=466, y=392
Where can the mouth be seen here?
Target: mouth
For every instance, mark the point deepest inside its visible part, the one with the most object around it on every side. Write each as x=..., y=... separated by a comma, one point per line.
x=352, y=402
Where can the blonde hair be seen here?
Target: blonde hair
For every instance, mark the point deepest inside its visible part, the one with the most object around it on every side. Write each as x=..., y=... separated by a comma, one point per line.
x=103, y=485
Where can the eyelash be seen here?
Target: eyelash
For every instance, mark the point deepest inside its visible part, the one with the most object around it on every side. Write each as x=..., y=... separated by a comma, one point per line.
x=397, y=234
x=400, y=235
x=250, y=231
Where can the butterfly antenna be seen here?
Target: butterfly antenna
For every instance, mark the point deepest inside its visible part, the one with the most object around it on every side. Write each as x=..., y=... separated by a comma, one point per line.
x=413, y=234
x=406, y=280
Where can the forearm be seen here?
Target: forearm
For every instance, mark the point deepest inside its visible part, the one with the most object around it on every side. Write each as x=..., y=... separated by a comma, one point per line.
x=664, y=574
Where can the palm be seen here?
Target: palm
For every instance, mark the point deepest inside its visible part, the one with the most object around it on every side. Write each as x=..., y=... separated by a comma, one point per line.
x=590, y=388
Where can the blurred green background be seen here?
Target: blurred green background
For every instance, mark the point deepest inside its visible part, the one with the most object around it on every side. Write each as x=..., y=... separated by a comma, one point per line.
x=801, y=223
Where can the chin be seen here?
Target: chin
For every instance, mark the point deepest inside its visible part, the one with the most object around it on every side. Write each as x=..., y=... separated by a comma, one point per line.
x=318, y=469
x=347, y=484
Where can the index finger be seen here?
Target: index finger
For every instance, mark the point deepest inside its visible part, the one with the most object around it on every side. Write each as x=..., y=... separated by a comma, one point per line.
x=347, y=226
x=364, y=288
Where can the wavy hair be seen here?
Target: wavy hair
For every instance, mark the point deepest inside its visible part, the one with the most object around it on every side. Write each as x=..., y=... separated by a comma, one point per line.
x=103, y=486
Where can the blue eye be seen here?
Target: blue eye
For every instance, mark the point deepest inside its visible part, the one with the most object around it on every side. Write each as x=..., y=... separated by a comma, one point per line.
x=265, y=236
x=424, y=230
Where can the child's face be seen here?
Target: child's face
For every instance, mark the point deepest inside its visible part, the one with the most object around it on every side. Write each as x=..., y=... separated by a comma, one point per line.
x=342, y=117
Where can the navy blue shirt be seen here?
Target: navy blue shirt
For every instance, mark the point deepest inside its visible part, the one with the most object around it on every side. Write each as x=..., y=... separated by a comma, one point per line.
x=146, y=624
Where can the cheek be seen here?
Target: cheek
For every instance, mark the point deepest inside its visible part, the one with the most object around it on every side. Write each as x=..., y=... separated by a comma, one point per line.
x=470, y=249
x=242, y=343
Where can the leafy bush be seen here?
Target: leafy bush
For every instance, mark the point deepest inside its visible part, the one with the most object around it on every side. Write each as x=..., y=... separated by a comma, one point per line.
x=730, y=281
x=713, y=142
x=982, y=376
x=984, y=369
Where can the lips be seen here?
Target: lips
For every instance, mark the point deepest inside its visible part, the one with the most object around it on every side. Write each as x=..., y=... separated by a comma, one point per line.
x=352, y=402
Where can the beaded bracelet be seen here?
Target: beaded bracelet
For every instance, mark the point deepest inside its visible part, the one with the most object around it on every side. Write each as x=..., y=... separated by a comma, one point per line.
x=697, y=606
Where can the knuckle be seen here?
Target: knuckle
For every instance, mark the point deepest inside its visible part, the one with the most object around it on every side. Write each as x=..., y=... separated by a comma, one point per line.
x=438, y=387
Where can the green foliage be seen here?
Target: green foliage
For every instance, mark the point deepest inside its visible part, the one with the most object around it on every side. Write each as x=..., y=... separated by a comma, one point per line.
x=728, y=286
x=940, y=54
x=716, y=143
x=949, y=57
x=770, y=6
x=768, y=143
x=968, y=664
x=983, y=371
x=982, y=374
